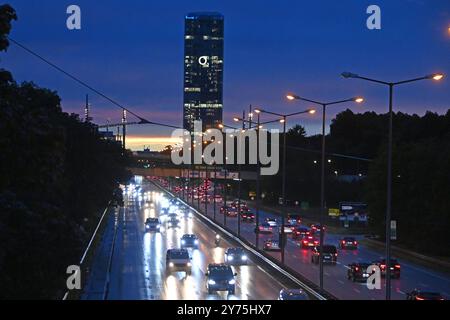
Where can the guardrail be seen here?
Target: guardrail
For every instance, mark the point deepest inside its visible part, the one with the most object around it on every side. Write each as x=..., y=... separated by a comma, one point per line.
x=269, y=261
x=87, y=252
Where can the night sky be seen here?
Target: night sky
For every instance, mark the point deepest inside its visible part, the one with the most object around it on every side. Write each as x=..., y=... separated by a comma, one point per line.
x=133, y=52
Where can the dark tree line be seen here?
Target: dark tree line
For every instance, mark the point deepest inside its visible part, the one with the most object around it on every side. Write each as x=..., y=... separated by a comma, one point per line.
x=56, y=176
x=421, y=172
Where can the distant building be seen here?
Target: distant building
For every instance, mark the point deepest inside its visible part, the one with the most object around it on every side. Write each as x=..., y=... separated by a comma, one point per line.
x=203, y=69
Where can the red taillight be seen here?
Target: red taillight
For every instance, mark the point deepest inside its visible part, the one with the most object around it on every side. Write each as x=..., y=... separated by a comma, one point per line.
x=397, y=266
x=356, y=268
x=343, y=242
x=305, y=242
x=419, y=298
x=316, y=242
x=355, y=243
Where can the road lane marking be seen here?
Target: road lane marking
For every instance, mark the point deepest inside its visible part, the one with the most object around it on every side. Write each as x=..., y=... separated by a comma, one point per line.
x=341, y=282
x=356, y=290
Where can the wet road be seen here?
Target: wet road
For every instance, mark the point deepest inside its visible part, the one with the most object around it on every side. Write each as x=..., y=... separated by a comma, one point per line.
x=137, y=266
x=335, y=276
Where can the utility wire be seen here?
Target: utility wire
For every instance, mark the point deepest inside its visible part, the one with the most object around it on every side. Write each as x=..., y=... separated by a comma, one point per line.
x=141, y=119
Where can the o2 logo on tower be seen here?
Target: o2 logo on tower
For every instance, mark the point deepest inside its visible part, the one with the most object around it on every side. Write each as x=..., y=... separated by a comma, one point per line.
x=204, y=61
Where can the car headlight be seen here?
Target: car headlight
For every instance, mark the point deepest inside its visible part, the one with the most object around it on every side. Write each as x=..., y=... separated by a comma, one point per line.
x=188, y=264
x=158, y=226
x=196, y=242
x=147, y=226
x=244, y=258
x=229, y=257
x=183, y=242
x=171, y=264
x=211, y=281
x=232, y=281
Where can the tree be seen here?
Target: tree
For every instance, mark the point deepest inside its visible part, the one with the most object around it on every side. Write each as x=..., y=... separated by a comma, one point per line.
x=7, y=15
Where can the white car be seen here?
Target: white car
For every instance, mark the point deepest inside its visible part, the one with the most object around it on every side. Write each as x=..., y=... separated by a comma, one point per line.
x=272, y=222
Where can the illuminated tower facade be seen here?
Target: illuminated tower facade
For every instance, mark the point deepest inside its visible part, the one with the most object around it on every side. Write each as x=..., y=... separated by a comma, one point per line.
x=203, y=69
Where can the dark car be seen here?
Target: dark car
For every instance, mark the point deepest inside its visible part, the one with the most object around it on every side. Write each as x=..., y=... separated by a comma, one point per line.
x=348, y=243
x=232, y=212
x=272, y=245
x=247, y=216
x=189, y=241
x=309, y=242
x=394, y=268
x=220, y=277
x=173, y=222
x=263, y=228
x=300, y=233
x=152, y=225
x=317, y=228
x=293, y=294
x=423, y=295
x=357, y=271
x=178, y=260
x=329, y=254
x=235, y=256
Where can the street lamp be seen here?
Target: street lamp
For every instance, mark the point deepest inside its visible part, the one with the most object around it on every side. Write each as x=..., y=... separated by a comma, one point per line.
x=324, y=106
x=391, y=85
x=283, y=120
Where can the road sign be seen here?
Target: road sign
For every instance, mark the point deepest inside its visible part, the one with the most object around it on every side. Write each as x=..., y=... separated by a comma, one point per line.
x=393, y=230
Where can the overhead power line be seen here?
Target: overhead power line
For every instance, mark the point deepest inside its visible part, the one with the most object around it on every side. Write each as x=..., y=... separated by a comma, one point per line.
x=84, y=84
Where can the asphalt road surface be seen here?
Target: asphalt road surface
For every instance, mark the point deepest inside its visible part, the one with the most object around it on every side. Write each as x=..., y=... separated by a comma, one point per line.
x=137, y=263
x=335, y=276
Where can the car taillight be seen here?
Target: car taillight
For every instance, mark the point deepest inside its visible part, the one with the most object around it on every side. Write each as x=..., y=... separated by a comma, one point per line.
x=355, y=243
x=419, y=298
x=305, y=242
x=382, y=266
x=343, y=242
x=356, y=268
x=397, y=266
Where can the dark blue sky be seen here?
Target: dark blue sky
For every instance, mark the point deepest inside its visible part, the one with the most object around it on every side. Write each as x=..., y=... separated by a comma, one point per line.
x=133, y=51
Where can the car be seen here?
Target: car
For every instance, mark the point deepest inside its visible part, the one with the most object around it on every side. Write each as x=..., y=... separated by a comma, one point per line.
x=288, y=229
x=329, y=254
x=423, y=295
x=263, y=228
x=235, y=256
x=178, y=260
x=316, y=228
x=220, y=277
x=293, y=294
x=232, y=212
x=272, y=245
x=300, y=232
x=357, y=271
x=173, y=222
x=394, y=269
x=172, y=215
x=272, y=222
x=247, y=216
x=189, y=241
x=223, y=208
x=309, y=242
x=348, y=243
x=152, y=225
x=164, y=211
x=294, y=220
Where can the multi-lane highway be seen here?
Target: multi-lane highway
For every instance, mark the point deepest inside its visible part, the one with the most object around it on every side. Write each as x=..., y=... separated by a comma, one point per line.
x=134, y=267
x=335, y=276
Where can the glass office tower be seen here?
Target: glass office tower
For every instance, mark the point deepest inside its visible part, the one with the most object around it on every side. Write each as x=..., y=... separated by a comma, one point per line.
x=203, y=69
